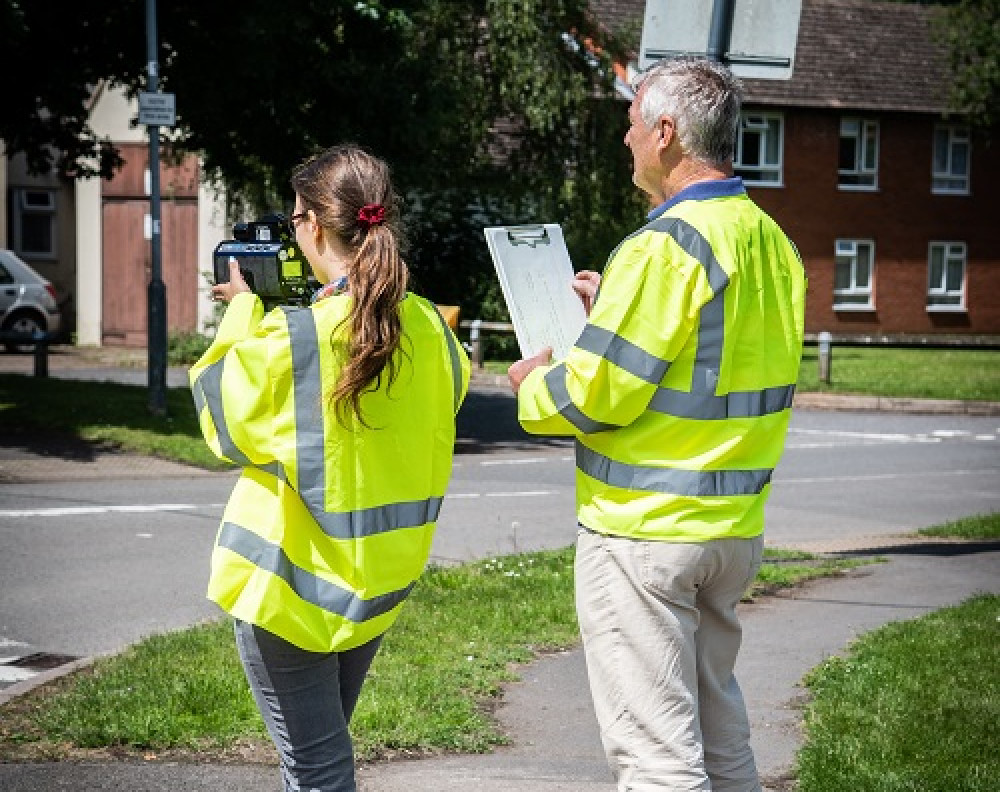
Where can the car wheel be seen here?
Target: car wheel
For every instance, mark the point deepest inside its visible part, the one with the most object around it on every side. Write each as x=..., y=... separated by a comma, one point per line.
x=23, y=324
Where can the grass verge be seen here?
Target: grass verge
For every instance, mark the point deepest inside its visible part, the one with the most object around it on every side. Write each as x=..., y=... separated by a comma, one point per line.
x=105, y=413
x=980, y=526
x=459, y=638
x=118, y=415
x=969, y=374
x=914, y=707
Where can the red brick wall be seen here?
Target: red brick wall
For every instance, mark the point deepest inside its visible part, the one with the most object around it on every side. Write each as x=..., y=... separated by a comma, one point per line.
x=902, y=217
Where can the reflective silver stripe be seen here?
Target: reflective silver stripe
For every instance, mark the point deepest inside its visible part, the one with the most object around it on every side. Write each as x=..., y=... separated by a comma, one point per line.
x=308, y=382
x=670, y=481
x=456, y=366
x=700, y=402
x=623, y=353
x=321, y=593
x=709, y=407
x=556, y=381
x=379, y=519
x=310, y=448
x=208, y=393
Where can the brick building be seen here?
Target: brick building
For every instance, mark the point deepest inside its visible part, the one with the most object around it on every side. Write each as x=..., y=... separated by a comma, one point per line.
x=885, y=195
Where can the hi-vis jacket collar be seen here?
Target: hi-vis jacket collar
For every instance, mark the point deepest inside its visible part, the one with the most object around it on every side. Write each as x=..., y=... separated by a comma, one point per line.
x=702, y=191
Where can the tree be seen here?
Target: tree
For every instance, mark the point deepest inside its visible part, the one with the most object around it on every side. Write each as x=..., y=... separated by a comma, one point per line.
x=261, y=85
x=970, y=29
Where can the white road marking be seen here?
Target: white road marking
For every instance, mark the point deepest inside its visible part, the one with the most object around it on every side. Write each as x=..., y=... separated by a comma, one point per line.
x=525, y=494
x=883, y=476
x=514, y=461
x=12, y=674
x=842, y=438
x=131, y=508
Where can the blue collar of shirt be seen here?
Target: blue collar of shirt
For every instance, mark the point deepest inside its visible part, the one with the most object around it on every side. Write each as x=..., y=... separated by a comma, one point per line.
x=702, y=191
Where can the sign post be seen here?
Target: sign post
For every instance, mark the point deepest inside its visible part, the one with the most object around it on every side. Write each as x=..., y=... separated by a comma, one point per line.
x=156, y=110
x=755, y=38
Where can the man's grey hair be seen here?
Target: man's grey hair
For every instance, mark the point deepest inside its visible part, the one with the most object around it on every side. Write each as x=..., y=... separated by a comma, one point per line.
x=702, y=96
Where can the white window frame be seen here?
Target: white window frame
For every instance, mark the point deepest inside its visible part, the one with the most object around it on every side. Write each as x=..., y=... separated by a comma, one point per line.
x=765, y=173
x=947, y=180
x=946, y=299
x=33, y=202
x=863, y=176
x=847, y=299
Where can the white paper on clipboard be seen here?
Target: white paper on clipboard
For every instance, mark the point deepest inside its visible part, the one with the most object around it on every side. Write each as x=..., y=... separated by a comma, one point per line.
x=536, y=277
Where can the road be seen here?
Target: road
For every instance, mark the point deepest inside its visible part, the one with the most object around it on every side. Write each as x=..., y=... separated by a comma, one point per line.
x=93, y=562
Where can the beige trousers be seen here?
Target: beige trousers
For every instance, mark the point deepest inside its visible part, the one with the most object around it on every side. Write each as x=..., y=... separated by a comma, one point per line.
x=661, y=635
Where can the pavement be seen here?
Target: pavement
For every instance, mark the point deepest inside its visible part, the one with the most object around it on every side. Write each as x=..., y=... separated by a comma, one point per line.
x=554, y=745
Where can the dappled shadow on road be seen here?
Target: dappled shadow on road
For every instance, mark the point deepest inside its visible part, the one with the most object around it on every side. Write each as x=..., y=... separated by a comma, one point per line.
x=54, y=445
x=488, y=422
x=919, y=546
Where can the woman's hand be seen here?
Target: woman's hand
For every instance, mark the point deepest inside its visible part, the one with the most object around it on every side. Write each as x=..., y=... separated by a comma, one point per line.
x=585, y=284
x=225, y=292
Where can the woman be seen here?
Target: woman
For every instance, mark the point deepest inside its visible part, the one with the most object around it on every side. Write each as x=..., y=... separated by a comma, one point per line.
x=342, y=416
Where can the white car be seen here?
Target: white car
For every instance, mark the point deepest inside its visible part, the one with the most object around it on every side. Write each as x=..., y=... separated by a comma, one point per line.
x=27, y=302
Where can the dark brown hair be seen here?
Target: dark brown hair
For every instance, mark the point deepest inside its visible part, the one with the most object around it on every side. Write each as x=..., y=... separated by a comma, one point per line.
x=335, y=185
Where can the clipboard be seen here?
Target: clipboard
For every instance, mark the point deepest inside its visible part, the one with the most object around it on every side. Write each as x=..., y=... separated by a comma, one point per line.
x=536, y=277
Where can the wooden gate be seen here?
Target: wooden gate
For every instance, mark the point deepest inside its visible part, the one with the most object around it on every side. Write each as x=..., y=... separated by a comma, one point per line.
x=127, y=264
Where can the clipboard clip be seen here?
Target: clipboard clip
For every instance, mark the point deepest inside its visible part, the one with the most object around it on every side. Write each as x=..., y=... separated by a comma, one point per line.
x=528, y=235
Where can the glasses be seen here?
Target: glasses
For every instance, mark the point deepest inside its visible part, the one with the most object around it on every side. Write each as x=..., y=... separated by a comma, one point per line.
x=297, y=216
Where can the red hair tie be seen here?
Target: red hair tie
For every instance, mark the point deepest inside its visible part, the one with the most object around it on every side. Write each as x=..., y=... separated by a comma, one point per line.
x=371, y=214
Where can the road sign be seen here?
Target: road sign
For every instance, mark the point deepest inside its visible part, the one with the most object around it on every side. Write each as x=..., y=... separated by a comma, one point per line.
x=157, y=109
x=761, y=43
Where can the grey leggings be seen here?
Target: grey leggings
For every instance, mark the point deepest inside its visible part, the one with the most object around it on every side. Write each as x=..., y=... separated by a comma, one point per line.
x=306, y=700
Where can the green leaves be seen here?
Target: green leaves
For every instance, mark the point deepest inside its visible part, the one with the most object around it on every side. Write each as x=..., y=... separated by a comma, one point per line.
x=970, y=30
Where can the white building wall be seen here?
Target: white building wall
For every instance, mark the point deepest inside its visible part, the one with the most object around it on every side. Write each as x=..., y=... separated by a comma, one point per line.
x=88, y=262
x=213, y=227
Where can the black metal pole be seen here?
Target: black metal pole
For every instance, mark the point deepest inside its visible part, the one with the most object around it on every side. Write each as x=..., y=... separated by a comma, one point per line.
x=156, y=340
x=721, y=29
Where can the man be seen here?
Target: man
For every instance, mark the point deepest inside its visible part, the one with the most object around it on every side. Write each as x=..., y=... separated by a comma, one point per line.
x=679, y=393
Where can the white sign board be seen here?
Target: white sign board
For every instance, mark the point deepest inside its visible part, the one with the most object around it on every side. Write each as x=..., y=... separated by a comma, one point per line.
x=536, y=278
x=157, y=109
x=761, y=44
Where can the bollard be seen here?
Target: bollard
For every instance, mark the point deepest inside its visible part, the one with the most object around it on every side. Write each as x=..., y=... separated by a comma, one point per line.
x=825, y=344
x=475, y=341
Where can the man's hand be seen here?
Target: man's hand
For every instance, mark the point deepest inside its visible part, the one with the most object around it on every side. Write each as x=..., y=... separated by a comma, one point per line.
x=585, y=285
x=518, y=371
x=236, y=285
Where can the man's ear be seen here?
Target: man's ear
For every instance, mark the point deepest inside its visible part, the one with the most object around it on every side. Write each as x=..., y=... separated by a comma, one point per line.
x=667, y=129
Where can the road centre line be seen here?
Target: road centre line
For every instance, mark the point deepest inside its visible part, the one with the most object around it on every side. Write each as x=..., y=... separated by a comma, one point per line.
x=147, y=508
x=136, y=508
x=525, y=494
x=884, y=436
x=522, y=461
x=885, y=476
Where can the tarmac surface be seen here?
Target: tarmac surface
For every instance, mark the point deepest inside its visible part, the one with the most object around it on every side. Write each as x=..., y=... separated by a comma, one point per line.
x=554, y=745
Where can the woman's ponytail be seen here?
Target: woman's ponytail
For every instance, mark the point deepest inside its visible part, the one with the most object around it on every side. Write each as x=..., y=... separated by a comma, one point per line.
x=351, y=193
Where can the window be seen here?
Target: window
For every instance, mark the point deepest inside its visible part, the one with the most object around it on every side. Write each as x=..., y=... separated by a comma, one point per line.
x=950, y=170
x=34, y=223
x=858, y=164
x=853, y=274
x=758, y=149
x=946, y=276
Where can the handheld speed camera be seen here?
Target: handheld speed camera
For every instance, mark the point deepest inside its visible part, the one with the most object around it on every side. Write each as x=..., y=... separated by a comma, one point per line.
x=270, y=261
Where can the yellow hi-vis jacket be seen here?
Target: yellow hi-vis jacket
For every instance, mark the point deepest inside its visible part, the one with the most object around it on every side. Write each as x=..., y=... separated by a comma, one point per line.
x=328, y=528
x=679, y=389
